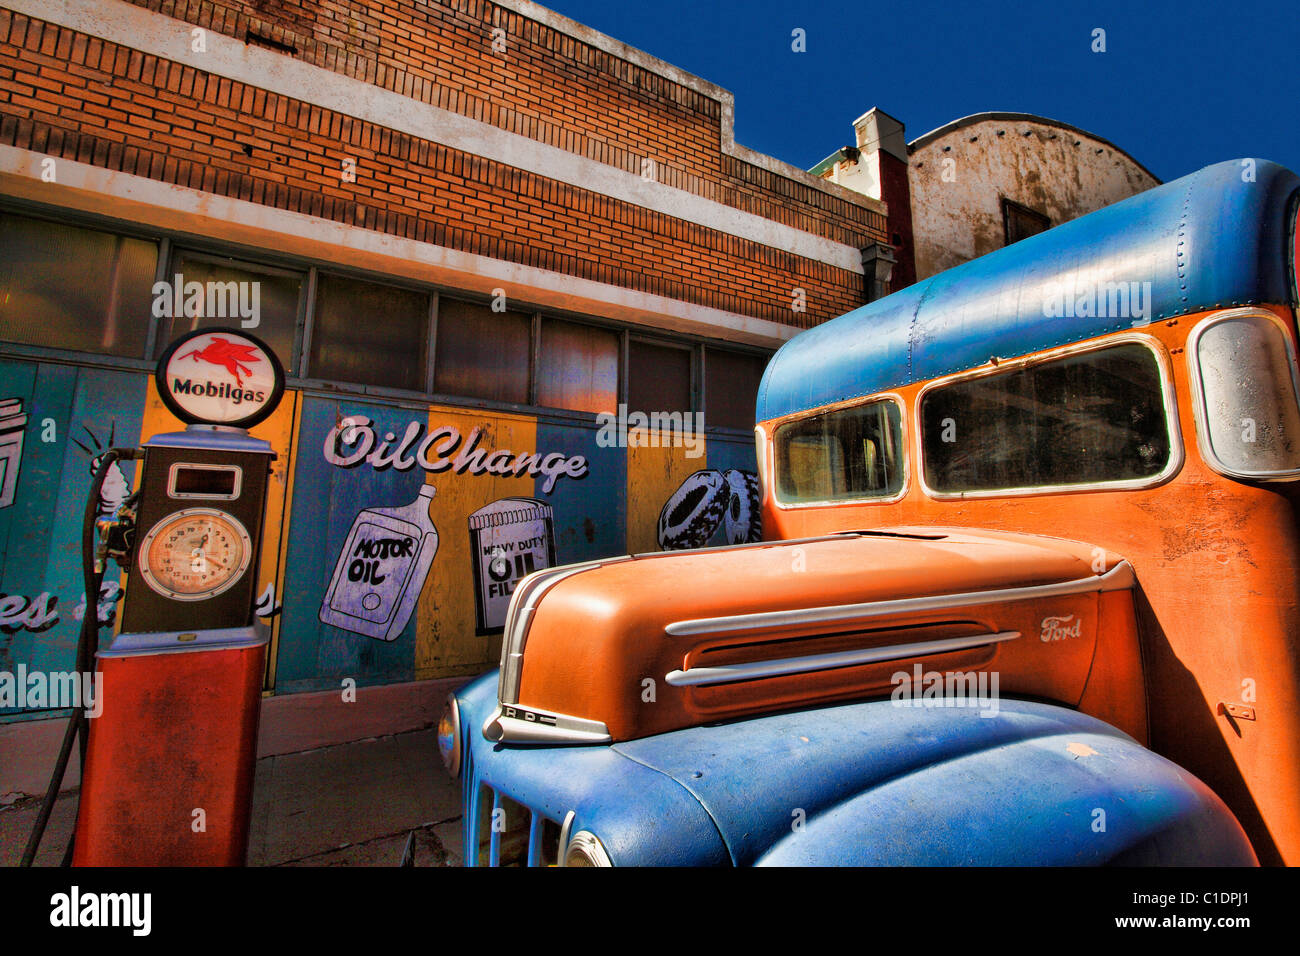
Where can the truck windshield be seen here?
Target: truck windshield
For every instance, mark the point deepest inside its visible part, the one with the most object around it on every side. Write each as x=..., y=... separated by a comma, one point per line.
x=1090, y=418
x=846, y=453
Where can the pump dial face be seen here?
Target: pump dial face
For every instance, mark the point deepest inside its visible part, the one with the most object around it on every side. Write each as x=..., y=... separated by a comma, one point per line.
x=195, y=554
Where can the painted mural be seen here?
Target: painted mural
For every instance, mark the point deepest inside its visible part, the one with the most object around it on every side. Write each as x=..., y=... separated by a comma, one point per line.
x=54, y=422
x=395, y=532
x=509, y=540
x=382, y=568
x=116, y=489
x=710, y=501
x=12, y=423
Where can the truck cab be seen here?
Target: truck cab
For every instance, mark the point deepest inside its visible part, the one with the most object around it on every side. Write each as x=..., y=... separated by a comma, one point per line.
x=1028, y=592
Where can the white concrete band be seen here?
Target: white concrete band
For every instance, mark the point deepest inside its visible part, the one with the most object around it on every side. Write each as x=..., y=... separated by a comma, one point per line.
x=149, y=203
x=170, y=39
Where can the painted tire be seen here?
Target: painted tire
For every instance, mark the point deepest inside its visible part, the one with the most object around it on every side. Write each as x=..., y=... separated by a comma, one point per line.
x=694, y=511
x=744, y=516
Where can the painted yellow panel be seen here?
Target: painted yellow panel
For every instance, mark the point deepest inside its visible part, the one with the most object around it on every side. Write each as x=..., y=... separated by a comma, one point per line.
x=446, y=640
x=653, y=475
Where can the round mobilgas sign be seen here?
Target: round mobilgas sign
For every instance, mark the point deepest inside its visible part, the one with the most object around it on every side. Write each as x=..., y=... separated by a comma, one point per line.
x=220, y=377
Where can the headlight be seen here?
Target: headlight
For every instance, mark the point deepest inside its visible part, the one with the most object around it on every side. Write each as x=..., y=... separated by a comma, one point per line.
x=585, y=850
x=449, y=736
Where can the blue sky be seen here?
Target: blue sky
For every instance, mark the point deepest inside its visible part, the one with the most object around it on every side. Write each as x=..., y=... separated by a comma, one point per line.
x=1181, y=84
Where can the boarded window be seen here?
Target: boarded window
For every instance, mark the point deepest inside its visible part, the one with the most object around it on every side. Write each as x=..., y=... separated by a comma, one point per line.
x=1021, y=222
x=1095, y=417
x=231, y=290
x=370, y=334
x=70, y=288
x=731, y=382
x=849, y=453
x=578, y=367
x=658, y=378
x=481, y=353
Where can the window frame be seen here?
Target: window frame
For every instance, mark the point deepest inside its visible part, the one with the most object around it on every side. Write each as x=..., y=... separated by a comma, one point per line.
x=1169, y=400
x=694, y=360
x=1008, y=207
x=176, y=251
x=172, y=241
x=1199, y=410
x=904, y=453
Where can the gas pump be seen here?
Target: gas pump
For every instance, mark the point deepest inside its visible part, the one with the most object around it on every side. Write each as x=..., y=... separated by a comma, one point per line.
x=169, y=765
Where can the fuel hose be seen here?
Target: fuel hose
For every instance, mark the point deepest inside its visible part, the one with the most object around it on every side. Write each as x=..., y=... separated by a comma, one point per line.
x=87, y=644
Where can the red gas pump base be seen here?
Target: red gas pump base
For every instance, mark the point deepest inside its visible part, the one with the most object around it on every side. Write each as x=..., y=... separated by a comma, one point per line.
x=169, y=765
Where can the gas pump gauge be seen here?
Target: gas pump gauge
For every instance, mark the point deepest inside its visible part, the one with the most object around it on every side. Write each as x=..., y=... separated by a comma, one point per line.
x=195, y=554
x=203, y=493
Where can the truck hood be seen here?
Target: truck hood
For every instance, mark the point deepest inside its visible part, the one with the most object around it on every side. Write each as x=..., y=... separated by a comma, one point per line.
x=636, y=646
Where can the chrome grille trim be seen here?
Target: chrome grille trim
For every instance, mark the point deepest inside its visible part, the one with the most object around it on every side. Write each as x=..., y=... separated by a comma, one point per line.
x=1117, y=578
x=510, y=724
x=725, y=674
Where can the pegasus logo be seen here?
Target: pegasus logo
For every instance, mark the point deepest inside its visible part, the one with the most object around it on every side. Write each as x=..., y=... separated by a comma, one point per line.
x=229, y=355
x=1059, y=628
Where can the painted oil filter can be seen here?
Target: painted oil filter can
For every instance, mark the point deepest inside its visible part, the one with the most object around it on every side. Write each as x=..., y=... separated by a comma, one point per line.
x=509, y=539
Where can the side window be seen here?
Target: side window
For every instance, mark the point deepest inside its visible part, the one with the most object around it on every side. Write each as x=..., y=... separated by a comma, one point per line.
x=369, y=333
x=1248, y=412
x=1091, y=418
x=658, y=377
x=232, y=294
x=846, y=454
x=70, y=288
x=481, y=353
x=1021, y=222
x=578, y=367
x=731, y=381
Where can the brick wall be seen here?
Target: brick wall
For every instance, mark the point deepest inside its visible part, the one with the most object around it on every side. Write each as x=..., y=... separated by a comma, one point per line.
x=79, y=97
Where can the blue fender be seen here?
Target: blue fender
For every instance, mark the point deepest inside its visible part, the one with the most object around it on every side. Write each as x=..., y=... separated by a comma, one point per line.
x=872, y=783
x=877, y=783
x=642, y=817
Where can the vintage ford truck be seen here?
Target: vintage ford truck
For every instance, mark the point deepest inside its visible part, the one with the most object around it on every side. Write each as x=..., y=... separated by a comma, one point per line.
x=1028, y=594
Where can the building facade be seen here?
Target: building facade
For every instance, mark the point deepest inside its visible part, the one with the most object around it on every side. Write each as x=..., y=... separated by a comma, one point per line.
x=979, y=183
x=468, y=230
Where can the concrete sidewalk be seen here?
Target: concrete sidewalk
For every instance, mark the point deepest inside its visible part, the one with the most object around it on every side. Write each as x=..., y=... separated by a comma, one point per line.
x=348, y=805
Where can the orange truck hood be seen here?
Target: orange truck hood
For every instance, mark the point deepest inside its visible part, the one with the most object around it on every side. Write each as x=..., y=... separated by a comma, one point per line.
x=635, y=646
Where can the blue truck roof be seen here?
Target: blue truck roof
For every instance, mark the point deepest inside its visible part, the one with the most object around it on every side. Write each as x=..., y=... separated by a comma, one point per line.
x=1219, y=237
